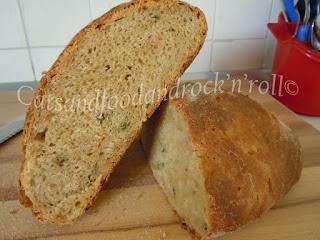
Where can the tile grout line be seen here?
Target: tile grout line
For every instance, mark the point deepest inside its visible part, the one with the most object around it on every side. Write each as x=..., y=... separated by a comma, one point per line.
x=38, y=47
x=238, y=39
x=269, y=16
x=90, y=10
x=27, y=39
x=271, y=9
x=265, y=52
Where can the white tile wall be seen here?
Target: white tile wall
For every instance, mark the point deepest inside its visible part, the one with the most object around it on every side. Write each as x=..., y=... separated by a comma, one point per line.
x=54, y=22
x=276, y=9
x=43, y=58
x=113, y=3
x=270, y=41
x=99, y=7
x=11, y=30
x=269, y=52
x=15, y=66
x=243, y=19
x=237, y=54
x=39, y=29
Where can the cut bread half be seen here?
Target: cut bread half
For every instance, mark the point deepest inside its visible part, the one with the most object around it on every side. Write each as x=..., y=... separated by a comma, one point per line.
x=92, y=103
x=221, y=159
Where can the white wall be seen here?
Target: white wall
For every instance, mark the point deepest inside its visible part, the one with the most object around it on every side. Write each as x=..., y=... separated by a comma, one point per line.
x=34, y=32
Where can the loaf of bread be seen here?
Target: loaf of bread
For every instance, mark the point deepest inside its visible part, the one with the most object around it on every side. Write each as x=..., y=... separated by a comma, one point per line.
x=221, y=159
x=70, y=146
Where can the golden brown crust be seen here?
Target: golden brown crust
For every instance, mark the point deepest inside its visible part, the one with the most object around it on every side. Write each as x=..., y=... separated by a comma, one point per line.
x=64, y=57
x=249, y=159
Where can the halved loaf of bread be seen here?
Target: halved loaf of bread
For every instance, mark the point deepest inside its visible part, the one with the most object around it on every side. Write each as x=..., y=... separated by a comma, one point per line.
x=221, y=159
x=91, y=105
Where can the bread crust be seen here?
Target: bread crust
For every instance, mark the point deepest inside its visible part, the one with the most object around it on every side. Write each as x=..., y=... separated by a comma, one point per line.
x=247, y=166
x=63, y=57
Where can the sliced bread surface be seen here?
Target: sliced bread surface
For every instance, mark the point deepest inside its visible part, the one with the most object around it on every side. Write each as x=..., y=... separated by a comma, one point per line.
x=221, y=159
x=70, y=146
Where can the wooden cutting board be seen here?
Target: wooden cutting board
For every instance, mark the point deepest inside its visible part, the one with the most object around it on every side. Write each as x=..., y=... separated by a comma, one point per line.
x=132, y=206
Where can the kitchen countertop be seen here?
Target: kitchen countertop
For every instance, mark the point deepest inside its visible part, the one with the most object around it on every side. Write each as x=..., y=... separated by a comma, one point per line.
x=260, y=75
x=314, y=121
x=136, y=207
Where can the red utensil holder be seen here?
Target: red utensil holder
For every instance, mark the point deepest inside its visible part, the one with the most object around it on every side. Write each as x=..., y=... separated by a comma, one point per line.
x=296, y=71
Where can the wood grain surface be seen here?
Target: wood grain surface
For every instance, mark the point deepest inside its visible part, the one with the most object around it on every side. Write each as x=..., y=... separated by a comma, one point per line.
x=132, y=206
